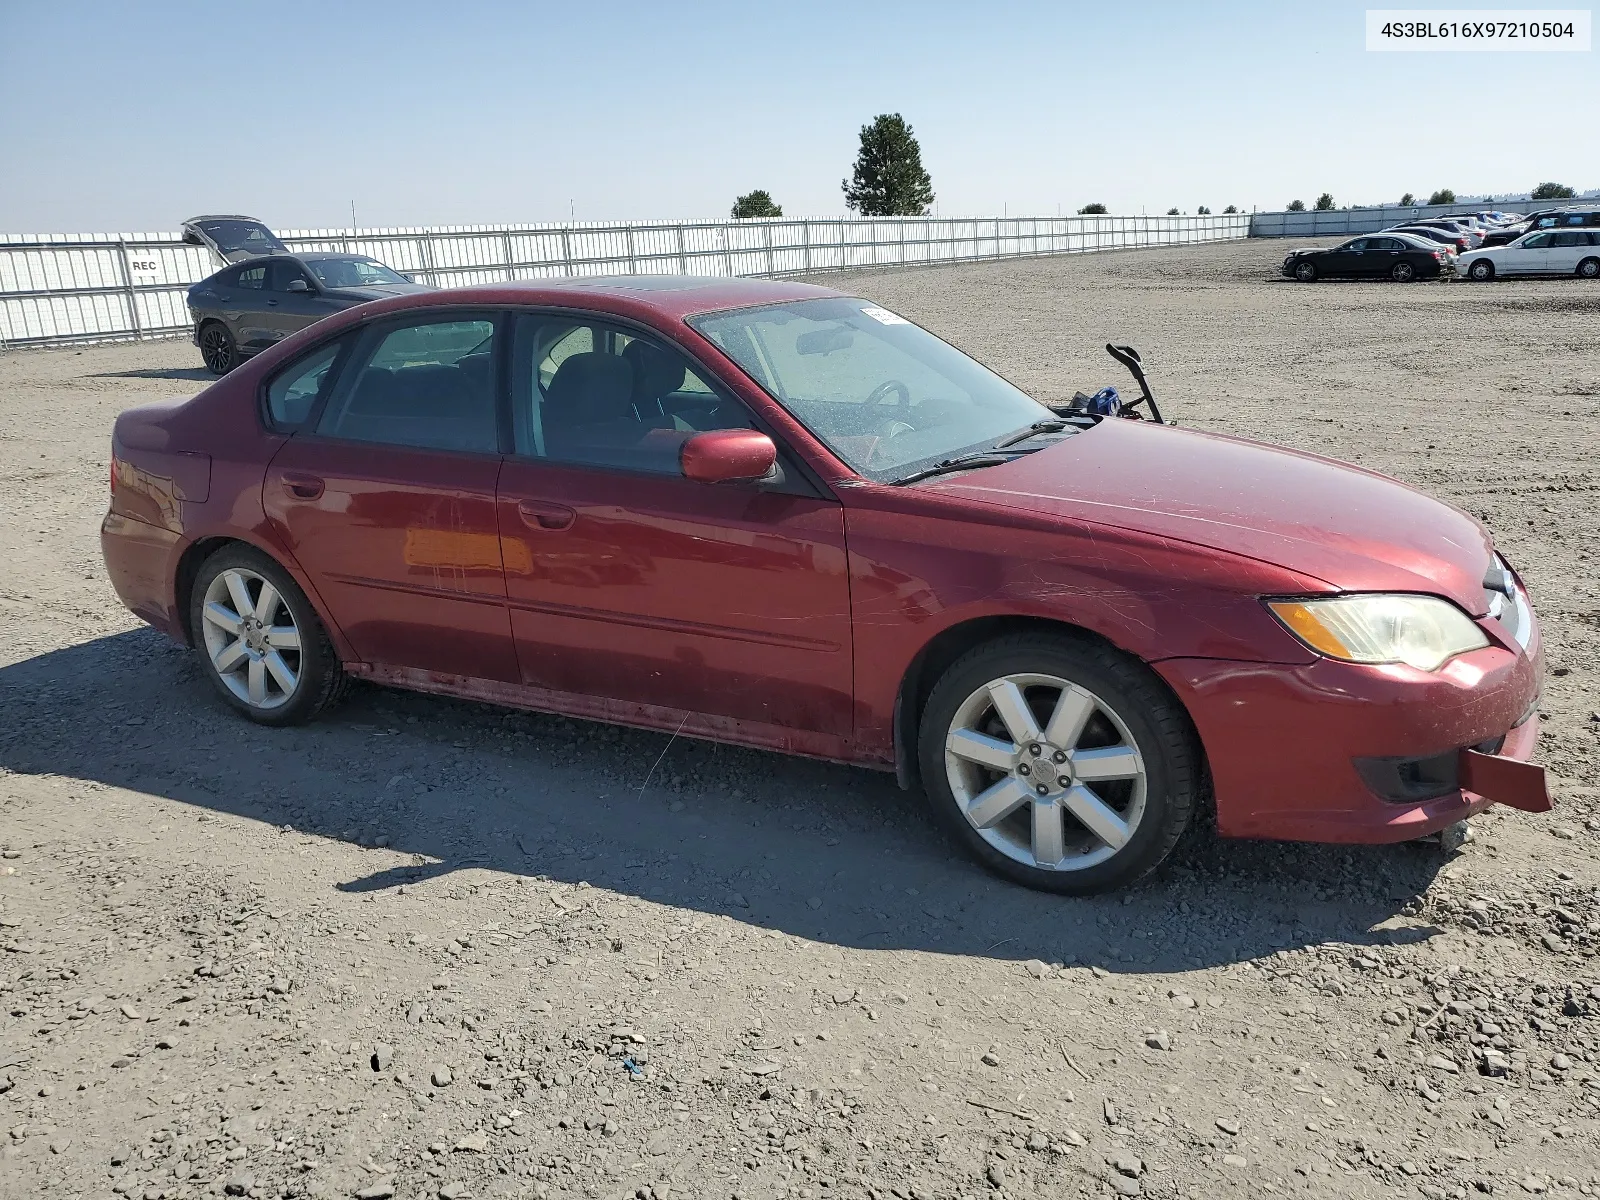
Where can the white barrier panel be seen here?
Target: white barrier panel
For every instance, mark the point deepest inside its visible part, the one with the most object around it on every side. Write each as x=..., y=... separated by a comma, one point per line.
x=57, y=288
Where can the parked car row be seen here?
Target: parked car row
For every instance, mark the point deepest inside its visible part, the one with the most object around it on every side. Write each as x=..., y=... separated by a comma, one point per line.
x=1477, y=246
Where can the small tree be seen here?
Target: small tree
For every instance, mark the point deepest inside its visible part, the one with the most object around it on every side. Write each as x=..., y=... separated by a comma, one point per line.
x=1092, y=210
x=1203, y=211
x=1407, y=200
x=1325, y=202
x=755, y=204
x=1230, y=209
x=1442, y=196
x=888, y=180
x=1172, y=212
x=1297, y=206
x=1553, y=191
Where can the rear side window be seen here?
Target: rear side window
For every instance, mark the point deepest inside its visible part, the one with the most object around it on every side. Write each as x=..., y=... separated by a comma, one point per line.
x=295, y=390
x=252, y=277
x=429, y=385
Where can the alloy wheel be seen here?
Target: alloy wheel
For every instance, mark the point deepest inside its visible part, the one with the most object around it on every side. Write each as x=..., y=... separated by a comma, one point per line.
x=216, y=347
x=1045, y=772
x=252, y=638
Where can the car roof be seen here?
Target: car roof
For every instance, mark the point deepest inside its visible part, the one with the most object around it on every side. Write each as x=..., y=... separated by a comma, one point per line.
x=672, y=297
x=225, y=217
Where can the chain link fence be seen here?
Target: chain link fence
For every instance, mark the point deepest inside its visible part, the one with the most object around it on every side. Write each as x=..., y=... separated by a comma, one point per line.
x=60, y=288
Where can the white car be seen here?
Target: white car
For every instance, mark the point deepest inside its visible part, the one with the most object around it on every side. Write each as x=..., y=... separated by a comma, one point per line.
x=1545, y=252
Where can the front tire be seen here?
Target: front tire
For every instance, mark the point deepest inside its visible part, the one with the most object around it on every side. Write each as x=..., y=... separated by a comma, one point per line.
x=1306, y=272
x=1059, y=764
x=1482, y=270
x=260, y=642
x=1589, y=268
x=1403, y=272
x=217, y=347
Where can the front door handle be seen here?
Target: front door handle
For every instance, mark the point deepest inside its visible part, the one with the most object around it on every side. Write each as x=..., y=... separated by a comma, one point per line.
x=302, y=487
x=542, y=514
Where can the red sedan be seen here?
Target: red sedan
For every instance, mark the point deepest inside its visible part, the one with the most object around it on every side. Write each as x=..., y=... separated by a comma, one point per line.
x=771, y=514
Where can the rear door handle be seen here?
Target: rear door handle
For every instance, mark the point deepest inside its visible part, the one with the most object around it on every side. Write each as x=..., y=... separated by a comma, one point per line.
x=302, y=487
x=542, y=514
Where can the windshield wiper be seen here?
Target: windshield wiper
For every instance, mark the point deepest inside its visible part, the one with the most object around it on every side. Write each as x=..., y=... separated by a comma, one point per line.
x=1038, y=427
x=965, y=462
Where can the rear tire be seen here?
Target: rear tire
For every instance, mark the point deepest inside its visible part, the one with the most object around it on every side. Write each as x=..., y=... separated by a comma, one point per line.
x=260, y=642
x=1589, y=268
x=1481, y=270
x=1403, y=272
x=1059, y=764
x=1306, y=272
x=217, y=347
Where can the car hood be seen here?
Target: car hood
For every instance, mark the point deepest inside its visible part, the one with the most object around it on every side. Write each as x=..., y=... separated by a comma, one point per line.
x=378, y=291
x=1353, y=529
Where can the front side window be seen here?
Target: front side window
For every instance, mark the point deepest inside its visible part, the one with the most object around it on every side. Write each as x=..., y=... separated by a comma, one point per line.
x=428, y=385
x=886, y=396
x=294, y=391
x=352, y=272
x=1356, y=246
x=1536, y=242
x=282, y=273
x=591, y=393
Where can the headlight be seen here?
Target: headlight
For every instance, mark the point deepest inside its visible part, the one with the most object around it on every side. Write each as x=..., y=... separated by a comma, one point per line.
x=1424, y=632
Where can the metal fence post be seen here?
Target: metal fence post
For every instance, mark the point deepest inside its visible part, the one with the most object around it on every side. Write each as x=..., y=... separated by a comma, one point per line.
x=566, y=250
x=505, y=243
x=766, y=228
x=806, y=227
x=633, y=260
x=683, y=252
x=127, y=284
x=426, y=246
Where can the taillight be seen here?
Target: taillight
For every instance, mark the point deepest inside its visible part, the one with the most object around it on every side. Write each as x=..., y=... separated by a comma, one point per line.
x=113, y=474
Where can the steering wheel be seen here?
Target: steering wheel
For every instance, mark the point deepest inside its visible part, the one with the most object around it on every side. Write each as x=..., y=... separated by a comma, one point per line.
x=882, y=391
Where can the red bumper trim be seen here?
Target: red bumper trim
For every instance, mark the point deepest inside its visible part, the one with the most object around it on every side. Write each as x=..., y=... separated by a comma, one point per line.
x=1504, y=780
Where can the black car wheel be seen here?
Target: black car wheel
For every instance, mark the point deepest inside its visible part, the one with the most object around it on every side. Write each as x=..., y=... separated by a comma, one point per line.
x=1589, y=268
x=1306, y=272
x=217, y=347
x=1482, y=270
x=1403, y=272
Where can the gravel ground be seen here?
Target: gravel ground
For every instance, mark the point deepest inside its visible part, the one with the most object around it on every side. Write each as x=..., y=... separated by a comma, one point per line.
x=426, y=948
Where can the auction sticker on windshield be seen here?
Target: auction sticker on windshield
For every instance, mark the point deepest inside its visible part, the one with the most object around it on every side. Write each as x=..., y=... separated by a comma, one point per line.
x=884, y=317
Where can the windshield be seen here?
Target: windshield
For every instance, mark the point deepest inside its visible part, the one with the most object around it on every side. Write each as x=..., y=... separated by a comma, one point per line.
x=351, y=272
x=884, y=395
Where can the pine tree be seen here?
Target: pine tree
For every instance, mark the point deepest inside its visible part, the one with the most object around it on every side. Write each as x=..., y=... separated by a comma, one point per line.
x=756, y=204
x=889, y=180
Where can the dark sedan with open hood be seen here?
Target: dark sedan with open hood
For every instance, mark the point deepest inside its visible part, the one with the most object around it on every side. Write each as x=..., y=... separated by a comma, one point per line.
x=248, y=306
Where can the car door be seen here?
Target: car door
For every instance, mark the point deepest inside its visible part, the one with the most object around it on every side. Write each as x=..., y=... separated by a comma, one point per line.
x=1527, y=256
x=385, y=495
x=241, y=302
x=1381, y=254
x=634, y=586
x=292, y=300
x=1568, y=247
x=1344, y=260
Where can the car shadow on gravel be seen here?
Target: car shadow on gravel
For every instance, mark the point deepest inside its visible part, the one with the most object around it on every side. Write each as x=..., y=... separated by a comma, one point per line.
x=432, y=787
x=198, y=374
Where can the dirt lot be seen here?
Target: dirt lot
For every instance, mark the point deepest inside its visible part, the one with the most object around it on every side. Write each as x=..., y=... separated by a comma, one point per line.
x=412, y=950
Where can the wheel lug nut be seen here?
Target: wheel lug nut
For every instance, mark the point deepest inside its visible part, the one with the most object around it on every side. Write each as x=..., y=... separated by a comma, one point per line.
x=1059, y=756
x=1022, y=769
x=1035, y=750
x=1042, y=790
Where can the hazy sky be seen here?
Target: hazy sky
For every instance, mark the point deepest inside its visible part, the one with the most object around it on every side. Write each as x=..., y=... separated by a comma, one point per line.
x=133, y=116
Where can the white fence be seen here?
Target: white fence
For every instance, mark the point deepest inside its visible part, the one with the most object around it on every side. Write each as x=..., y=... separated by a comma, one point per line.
x=1338, y=222
x=57, y=288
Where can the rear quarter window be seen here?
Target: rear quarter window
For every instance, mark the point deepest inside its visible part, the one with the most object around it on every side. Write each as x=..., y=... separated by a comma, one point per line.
x=294, y=391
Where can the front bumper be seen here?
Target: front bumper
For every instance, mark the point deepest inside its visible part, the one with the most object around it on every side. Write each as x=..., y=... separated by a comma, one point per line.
x=1286, y=744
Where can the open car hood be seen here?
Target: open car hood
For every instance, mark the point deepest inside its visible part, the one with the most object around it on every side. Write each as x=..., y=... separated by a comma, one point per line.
x=1353, y=529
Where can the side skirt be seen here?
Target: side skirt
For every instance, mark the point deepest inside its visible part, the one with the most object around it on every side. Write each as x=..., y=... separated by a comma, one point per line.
x=702, y=726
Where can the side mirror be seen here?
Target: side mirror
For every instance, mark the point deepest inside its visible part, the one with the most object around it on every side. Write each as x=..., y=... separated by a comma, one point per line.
x=299, y=285
x=728, y=456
